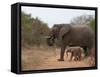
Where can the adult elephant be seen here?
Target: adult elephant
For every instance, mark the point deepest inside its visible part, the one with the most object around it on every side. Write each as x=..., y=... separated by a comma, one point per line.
x=71, y=35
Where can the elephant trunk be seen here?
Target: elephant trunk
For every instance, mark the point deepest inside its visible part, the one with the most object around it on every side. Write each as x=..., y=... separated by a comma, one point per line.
x=50, y=40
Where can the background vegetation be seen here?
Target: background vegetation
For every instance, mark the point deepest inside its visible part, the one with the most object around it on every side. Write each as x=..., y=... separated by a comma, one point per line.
x=84, y=19
x=35, y=30
x=35, y=52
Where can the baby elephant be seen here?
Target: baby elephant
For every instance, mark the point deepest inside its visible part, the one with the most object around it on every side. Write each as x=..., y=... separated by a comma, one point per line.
x=76, y=52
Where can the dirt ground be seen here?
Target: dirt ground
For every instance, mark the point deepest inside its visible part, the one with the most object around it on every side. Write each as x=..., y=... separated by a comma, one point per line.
x=46, y=58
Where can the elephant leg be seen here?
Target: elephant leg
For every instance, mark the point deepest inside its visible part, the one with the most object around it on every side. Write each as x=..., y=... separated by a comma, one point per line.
x=79, y=58
x=91, y=53
x=67, y=54
x=85, y=50
x=62, y=53
x=71, y=57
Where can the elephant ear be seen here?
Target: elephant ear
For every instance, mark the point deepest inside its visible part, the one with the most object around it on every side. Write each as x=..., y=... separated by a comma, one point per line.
x=64, y=30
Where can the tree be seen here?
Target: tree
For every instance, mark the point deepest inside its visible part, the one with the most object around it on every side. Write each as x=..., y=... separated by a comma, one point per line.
x=92, y=24
x=33, y=30
x=83, y=19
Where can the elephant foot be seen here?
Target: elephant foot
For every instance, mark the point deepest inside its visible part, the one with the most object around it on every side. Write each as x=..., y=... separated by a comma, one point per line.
x=60, y=59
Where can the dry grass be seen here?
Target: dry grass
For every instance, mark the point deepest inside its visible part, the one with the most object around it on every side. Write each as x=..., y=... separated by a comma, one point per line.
x=35, y=58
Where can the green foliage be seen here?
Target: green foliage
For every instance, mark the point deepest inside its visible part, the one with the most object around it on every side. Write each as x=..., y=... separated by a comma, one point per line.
x=33, y=30
x=92, y=24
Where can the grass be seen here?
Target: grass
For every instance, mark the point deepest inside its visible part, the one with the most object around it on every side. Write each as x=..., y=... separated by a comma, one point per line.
x=34, y=58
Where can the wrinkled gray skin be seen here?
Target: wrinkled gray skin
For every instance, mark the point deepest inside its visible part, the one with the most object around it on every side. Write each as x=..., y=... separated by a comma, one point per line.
x=71, y=35
x=76, y=52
